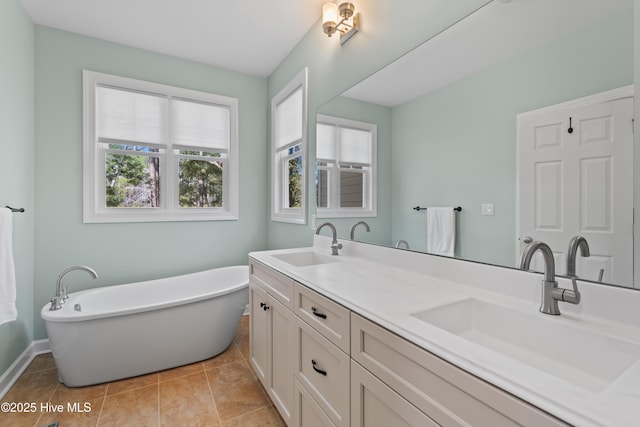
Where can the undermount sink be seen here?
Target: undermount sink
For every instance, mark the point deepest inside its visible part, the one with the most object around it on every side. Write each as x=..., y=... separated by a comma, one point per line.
x=302, y=259
x=586, y=359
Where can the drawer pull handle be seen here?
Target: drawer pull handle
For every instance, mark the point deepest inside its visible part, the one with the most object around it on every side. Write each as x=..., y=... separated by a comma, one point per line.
x=315, y=313
x=320, y=371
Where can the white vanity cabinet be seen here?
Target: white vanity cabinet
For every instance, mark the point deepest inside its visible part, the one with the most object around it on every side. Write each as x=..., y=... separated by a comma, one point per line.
x=271, y=335
x=325, y=366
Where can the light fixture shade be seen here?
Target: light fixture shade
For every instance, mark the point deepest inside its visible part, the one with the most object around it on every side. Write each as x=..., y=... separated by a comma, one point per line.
x=329, y=18
x=329, y=13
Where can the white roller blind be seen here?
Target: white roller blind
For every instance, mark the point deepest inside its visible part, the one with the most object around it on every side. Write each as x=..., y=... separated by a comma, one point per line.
x=355, y=146
x=130, y=116
x=288, y=119
x=200, y=125
x=326, y=142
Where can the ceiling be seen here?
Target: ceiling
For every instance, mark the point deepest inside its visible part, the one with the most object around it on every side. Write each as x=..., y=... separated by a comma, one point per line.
x=249, y=36
x=496, y=32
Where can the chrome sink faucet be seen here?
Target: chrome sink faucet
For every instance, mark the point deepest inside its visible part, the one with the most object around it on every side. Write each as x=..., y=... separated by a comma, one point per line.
x=575, y=243
x=334, y=243
x=61, y=290
x=551, y=293
x=353, y=228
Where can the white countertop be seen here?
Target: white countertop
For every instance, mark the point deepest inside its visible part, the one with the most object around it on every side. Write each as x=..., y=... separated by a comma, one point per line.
x=386, y=285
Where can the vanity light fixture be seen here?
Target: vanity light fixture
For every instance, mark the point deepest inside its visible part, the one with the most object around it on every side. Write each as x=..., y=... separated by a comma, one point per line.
x=341, y=19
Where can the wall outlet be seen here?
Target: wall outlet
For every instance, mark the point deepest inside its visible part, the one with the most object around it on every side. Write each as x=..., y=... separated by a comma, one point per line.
x=487, y=208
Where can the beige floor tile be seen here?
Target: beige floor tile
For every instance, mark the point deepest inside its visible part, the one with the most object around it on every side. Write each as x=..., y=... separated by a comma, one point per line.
x=19, y=419
x=35, y=387
x=64, y=394
x=41, y=363
x=235, y=390
x=264, y=417
x=86, y=416
x=180, y=371
x=129, y=384
x=230, y=355
x=137, y=407
x=187, y=401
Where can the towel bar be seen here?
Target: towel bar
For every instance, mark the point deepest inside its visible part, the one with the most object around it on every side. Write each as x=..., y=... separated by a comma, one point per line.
x=418, y=208
x=14, y=209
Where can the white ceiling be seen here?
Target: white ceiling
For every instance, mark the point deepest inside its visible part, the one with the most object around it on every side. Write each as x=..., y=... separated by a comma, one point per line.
x=496, y=32
x=249, y=36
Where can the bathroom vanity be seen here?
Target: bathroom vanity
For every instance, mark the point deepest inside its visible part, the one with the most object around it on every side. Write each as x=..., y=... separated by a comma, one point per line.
x=379, y=337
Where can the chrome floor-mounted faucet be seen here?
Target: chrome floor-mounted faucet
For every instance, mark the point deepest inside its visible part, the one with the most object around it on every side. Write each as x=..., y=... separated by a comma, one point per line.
x=551, y=293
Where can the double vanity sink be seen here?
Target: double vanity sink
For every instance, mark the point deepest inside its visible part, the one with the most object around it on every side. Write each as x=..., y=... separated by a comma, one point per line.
x=579, y=367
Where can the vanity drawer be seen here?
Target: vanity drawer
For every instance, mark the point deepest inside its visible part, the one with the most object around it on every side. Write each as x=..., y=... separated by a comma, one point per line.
x=278, y=285
x=447, y=394
x=323, y=369
x=327, y=317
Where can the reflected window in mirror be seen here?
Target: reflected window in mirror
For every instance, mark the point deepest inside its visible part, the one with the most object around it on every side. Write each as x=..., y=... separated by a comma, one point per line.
x=345, y=167
x=288, y=151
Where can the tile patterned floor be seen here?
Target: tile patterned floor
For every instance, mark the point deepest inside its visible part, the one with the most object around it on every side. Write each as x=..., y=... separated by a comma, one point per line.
x=221, y=391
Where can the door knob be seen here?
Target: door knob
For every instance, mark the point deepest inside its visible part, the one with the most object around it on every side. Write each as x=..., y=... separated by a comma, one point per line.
x=527, y=239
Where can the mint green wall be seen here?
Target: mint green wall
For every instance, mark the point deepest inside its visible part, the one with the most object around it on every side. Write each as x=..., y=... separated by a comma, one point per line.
x=122, y=253
x=16, y=166
x=456, y=146
x=387, y=32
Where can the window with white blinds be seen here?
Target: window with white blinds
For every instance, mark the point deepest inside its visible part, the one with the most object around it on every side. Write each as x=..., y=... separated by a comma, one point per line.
x=288, y=152
x=154, y=152
x=345, y=168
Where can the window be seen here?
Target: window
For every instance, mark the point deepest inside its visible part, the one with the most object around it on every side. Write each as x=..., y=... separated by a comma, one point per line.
x=154, y=152
x=345, y=168
x=288, y=152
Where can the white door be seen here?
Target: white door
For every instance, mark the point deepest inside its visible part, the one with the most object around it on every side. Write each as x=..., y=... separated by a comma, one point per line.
x=575, y=177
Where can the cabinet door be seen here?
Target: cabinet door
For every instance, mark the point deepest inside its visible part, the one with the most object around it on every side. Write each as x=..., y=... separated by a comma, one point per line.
x=307, y=413
x=281, y=334
x=258, y=343
x=373, y=404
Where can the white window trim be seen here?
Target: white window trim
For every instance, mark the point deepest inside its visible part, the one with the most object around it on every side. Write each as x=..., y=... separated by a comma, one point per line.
x=365, y=212
x=278, y=186
x=94, y=205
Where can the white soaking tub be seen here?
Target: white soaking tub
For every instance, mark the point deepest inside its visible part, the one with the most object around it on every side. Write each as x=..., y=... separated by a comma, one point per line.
x=122, y=331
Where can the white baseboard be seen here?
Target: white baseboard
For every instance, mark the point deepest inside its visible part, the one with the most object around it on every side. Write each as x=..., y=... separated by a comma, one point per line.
x=247, y=310
x=16, y=369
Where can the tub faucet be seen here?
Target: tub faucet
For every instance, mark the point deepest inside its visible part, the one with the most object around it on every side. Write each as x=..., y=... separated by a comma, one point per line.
x=575, y=243
x=353, y=228
x=334, y=243
x=551, y=293
x=61, y=290
x=401, y=243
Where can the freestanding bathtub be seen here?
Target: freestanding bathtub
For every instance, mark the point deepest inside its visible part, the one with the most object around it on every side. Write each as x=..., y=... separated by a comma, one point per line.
x=122, y=331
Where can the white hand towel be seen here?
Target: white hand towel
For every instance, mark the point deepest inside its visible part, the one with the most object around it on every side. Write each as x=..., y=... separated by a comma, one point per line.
x=441, y=231
x=8, y=311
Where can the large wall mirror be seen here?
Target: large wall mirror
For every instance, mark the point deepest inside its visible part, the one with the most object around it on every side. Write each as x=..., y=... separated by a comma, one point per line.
x=447, y=134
